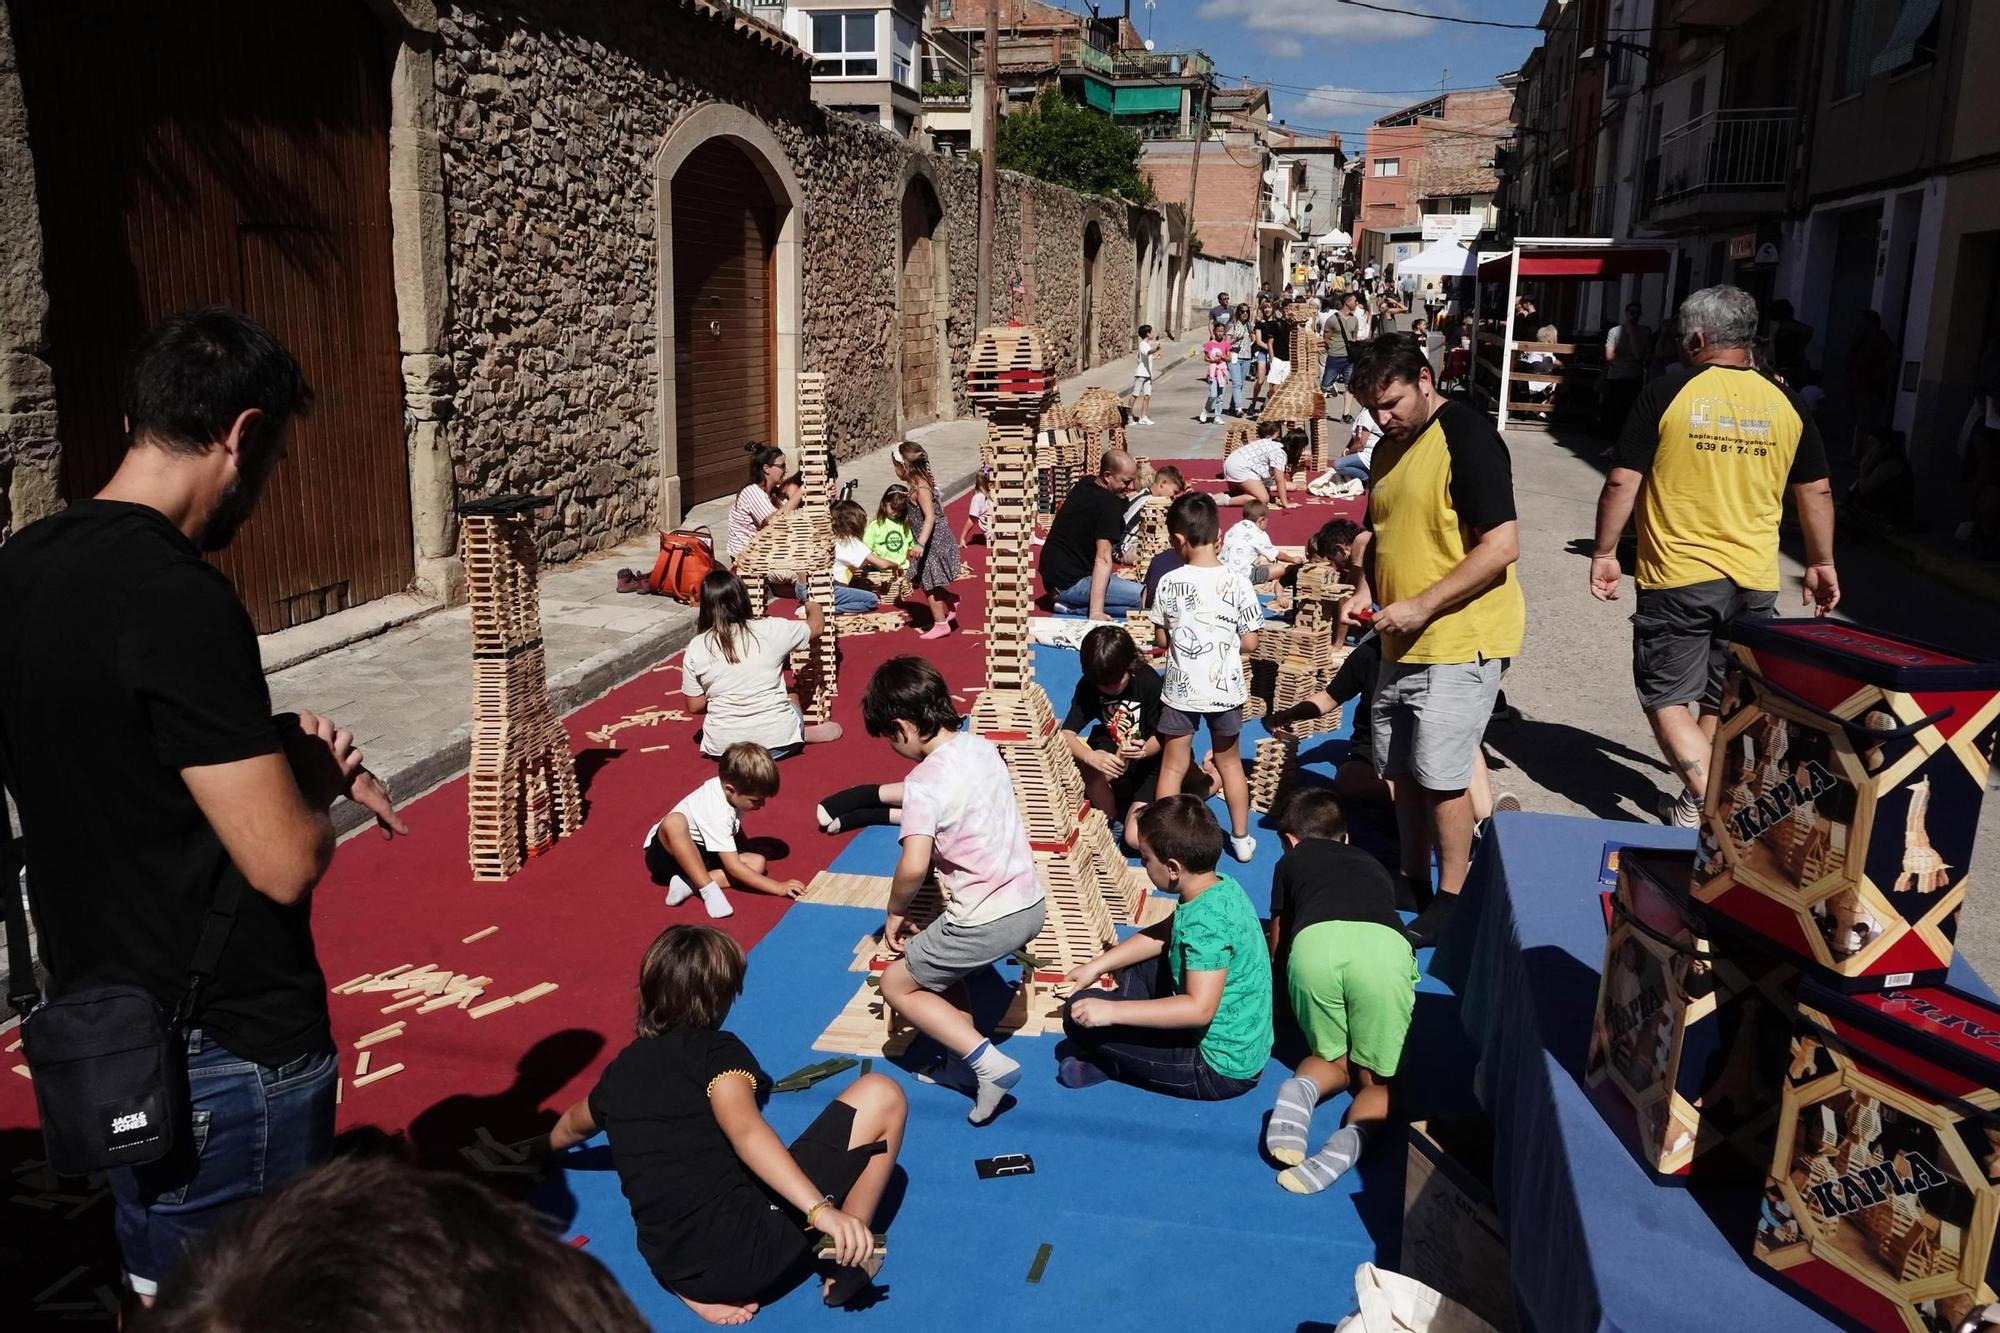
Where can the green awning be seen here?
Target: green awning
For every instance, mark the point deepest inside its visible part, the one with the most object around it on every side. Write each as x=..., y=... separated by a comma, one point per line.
x=1097, y=93
x=1147, y=101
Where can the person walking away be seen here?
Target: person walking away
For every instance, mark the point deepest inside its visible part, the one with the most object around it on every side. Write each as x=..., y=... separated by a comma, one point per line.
x=1142, y=377
x=1625, y=350
x=1081, y=548
x=1441, y=507
x=155, y=788
x=1871, y=379
x=1706, y=462
x=1791, y=338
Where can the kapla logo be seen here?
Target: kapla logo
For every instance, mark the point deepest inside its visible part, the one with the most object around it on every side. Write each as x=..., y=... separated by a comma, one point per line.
x=126, y=1124
x=1781, y=800
x=1875, y=1184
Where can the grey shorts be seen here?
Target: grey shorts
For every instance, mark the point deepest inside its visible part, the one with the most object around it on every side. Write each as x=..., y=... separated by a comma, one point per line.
x=1223, y=726
x=1680, y=640
x=1428, y=719
x=942, y=952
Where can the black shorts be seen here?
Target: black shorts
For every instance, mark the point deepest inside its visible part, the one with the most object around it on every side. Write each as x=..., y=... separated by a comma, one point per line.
x=660, y=863
x=1141, y=780
x=1680, y=640
x=763, y=1252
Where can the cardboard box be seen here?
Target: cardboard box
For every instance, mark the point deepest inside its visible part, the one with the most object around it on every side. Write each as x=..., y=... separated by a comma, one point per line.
x=1884, y=1186
x=1844, y=795
x=1452, y=1239
x=1691, y=1029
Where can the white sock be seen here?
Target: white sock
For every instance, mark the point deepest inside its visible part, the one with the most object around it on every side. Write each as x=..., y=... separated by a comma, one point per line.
x=997, y=1074
x=715, y=900
x=678, y=891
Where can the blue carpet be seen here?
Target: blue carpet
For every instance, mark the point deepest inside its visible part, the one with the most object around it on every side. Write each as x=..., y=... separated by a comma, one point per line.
x=1157, y=1210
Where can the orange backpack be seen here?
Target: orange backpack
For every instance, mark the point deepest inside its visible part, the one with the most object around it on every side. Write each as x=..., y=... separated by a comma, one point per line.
x=686, y=558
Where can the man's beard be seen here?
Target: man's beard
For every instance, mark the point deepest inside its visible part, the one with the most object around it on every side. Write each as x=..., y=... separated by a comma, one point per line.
x=232, y=510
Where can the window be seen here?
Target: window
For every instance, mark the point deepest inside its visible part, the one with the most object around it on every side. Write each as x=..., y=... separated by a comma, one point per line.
x=1697, y=98
x=1461, y=203
x=902, y=50
x=844, y=46
x=1856, y=48
x=1388, y=166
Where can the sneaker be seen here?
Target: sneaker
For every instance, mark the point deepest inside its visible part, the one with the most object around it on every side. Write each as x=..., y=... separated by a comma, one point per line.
x=1679, y=810
x=1506, y=800
x=1203, y=418
x=716, y=901
x=1242, y=848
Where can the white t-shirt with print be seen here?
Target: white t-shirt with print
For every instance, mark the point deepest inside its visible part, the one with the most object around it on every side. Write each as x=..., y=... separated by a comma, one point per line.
x=962, y=798
x=1259, y=460
x=1246, y=546
x=1145, y=370
x=713, y=822
x=746, y=698
x=849, y=554
x=1206, y=609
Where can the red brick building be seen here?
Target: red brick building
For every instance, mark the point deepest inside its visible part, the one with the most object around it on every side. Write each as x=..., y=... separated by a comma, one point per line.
x=1432, y=157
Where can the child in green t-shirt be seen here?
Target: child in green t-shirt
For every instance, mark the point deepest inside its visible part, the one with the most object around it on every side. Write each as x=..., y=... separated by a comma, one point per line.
x=1198, y=983
x=887, y=535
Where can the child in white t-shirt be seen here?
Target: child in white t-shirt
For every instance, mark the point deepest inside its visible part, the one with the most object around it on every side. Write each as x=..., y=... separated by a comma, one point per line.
x=959, y=818
x=850, y=557
x=1247, y=548
x=1262, y=469
x=979, y=511
x=1142, y=378
x=693, y=849
x=1206, y=616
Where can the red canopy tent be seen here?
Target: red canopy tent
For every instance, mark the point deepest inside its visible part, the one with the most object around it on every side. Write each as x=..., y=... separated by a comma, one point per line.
x=1558, y=258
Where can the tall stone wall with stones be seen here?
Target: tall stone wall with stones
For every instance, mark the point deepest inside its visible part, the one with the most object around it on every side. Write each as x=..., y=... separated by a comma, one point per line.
x=29, y=454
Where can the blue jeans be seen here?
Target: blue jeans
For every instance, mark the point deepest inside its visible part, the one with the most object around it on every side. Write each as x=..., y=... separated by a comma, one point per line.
x=1335, y=371
x=1239, y=374
x=1350, y=465
x=1215, y=396
x=1157, y=1059
x=253, y=1128
x=847, y=599
x=1120, y=595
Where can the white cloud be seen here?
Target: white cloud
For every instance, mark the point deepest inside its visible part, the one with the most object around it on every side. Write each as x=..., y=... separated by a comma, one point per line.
x=1289, y=28
x=1333, y=105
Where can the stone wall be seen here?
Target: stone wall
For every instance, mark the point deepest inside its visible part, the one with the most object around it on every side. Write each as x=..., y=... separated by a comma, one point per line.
x=29, y=455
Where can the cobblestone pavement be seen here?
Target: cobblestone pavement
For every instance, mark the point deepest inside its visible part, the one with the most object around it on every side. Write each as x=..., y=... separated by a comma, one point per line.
x=405, y=692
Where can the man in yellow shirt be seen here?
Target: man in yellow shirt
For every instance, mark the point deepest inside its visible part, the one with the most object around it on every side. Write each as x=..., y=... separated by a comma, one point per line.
x=1441, y=561
x=1706, y=461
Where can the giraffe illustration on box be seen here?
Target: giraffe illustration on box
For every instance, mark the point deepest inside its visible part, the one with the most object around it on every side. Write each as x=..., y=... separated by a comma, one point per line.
x=1924, y=871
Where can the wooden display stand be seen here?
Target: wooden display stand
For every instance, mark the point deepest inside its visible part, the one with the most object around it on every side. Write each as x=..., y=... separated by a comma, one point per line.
x=521, y=792
x=1079, y=864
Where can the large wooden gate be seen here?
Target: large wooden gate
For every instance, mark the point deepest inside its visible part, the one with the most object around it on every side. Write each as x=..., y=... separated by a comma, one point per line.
x=233, y=152
x=725, y=329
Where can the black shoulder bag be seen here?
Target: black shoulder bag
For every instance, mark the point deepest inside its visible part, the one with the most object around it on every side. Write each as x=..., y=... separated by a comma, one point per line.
x=109, y=1064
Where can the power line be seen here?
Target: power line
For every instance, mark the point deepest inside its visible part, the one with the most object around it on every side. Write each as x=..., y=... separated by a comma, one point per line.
x=1483, y=23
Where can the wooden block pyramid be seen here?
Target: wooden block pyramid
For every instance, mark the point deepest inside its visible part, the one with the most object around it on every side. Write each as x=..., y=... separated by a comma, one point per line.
x=1074, y=852
x=521, y=792
x=1101, y=421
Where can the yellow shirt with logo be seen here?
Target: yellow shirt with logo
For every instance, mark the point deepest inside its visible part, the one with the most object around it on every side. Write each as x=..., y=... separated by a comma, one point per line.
x=1427, y=500
x=1718, y=450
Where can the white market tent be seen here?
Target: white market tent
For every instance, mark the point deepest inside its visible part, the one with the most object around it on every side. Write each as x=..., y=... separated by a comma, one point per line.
x=1334, y=239
x=1444, y=258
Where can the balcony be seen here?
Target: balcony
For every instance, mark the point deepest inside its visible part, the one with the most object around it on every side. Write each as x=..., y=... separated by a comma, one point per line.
x=1190, y=65
x=1726, y=166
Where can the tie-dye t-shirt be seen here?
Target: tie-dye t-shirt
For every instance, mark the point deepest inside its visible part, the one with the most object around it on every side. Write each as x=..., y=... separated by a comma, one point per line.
x=962, y=798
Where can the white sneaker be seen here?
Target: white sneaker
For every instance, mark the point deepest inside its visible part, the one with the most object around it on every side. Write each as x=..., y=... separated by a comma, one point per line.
x=678, y=891
x=1203, y=418
x=1145, y=421
x=1242, y=848
x=716, y=901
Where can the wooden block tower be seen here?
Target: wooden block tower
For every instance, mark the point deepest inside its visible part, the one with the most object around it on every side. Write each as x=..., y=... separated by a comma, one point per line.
x=1079, y=863
x=521, y=792
x=1101, y=422
x=1299, y=400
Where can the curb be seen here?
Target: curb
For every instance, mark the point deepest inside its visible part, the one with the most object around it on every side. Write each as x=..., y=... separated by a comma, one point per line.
x=570, y=689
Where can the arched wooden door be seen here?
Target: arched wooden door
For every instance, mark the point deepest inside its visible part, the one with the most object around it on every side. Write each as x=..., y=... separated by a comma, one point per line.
x=925, y=304
x=187, y=155
x=725, y=329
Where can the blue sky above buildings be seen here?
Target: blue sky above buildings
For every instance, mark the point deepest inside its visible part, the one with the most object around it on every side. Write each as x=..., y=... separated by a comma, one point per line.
x=1337, y=66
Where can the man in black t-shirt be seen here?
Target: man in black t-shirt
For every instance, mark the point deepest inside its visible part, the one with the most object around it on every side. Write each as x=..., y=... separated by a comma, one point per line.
x=1080, y=551
x=137, y=740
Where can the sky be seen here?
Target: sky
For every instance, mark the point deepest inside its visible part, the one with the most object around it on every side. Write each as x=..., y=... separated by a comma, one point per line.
x=1332, y=65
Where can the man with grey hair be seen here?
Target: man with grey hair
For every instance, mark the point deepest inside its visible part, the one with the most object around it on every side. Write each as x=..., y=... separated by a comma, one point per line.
x=1706, y=461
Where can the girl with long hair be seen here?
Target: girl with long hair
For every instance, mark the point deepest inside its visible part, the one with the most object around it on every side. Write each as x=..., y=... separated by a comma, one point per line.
x=934, y=559
x=733, y=673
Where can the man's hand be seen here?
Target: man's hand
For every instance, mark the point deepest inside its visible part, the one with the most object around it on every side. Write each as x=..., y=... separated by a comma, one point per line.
x=1405, y=617
x=1821, y=590
x=328, y=765
x=1605, y=576
x=1105, y=762
x=895, y=933
x=372, y=794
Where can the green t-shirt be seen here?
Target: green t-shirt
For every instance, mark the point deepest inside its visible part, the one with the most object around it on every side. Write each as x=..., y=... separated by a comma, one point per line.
x=1219, y=931
x=889, y=539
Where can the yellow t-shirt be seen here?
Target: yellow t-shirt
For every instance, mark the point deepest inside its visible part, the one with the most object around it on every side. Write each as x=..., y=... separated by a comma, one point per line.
x=1718, y=450
x=1426, y=500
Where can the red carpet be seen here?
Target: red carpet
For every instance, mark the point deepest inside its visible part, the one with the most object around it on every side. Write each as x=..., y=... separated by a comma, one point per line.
x=580, y=917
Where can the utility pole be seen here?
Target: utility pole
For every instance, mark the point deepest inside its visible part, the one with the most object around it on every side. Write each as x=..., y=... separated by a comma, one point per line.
x=989, y=177
x=1194, y=168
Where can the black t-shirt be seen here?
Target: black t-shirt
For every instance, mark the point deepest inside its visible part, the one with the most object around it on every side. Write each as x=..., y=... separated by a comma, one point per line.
x=125, y=658
x=687, y=1187
x=1331, y=881
x=1089, y=514
x=1163, y=564
x=1277, y=333
x=1131, y=714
